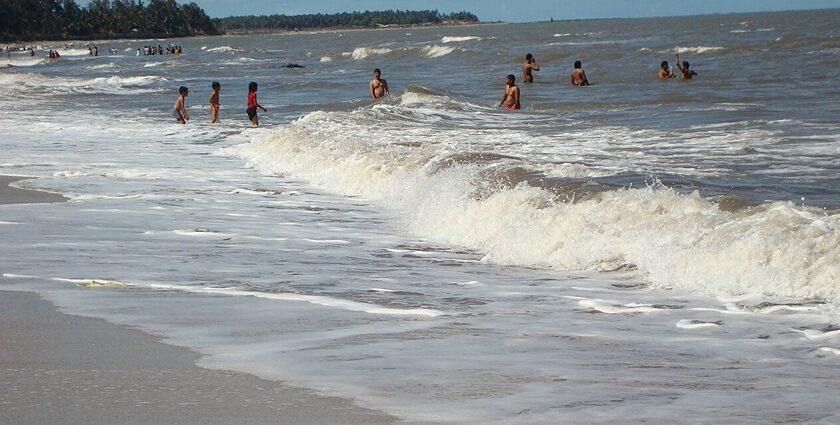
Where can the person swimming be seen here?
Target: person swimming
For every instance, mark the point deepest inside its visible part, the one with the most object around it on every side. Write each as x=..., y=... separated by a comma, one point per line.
x=665, y=71
x=528, y=67
x=510, y=97
x=378, y=86
x=578, y=75
x=684, y=68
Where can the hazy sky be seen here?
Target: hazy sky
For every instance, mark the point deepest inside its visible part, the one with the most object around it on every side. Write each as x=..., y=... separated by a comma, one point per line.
x=514, y=10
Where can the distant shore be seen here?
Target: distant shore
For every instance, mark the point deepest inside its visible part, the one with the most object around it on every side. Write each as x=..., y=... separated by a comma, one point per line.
x=104, y=38
x=336, y=29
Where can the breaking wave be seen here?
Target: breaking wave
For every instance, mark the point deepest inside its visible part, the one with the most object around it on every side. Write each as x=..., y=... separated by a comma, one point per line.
x=454, y=188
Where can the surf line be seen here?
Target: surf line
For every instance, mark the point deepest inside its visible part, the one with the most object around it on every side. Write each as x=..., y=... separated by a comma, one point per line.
x=313, y=299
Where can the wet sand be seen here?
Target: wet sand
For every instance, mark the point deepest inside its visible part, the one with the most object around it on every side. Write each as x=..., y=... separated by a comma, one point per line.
x=62, y=369
x=11, y=195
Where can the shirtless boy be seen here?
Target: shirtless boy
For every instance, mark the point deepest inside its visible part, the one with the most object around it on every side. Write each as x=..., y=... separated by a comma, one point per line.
x=528, y=66
x=686, y=73
x=179, y=110
x=378, y=85
x=665, y=71
x=510, y=98
x=214, y=102
x=578, y=76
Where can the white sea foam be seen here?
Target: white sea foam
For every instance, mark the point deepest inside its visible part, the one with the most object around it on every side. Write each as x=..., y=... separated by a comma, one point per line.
x=456, y=39
x=697, y=50
x=312, y=299
x=696, y=324
x=364, y=52
x=675, y=240
x=326, y=59
x=435, y=51
x=115, y=84
x=431, y=51
x=104, y=66
x=223, y=49
x=25, y=62
x=74, y=52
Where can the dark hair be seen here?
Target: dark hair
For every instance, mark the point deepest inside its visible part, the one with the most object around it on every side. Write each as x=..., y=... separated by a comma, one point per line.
x=215, y=85
x=685, y=64
x=252, y=86
x=664, y=64
x=578, y=64
x=512, y=77
x=375, y=70
x=183, y=89
x=529, y=56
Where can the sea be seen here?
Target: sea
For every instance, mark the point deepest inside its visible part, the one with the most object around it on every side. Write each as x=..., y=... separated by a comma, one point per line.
x=639, y=250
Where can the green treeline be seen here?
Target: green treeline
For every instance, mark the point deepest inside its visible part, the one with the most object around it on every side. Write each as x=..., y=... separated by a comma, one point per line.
x=62, y=19
x=364, y=19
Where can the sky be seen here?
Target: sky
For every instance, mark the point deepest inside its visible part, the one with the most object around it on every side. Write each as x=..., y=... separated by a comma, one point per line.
x=513, y=10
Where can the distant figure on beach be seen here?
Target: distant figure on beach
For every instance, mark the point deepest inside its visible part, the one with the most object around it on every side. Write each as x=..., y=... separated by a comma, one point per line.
x=510, y=98
x=214, y=102
x=579, y=76
x=684, y=70
x=378, y=85
x=180, y=109
x=665, y=71
x=528, y=67
x=253, y=104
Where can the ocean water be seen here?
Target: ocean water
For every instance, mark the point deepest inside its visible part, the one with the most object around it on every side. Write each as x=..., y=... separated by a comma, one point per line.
x=636, y=250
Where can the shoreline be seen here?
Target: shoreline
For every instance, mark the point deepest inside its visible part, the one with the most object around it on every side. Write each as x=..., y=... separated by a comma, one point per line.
x=13, y=195
x=61, y=369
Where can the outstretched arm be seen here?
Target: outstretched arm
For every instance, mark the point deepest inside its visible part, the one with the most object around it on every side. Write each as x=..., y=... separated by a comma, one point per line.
x=679, y=64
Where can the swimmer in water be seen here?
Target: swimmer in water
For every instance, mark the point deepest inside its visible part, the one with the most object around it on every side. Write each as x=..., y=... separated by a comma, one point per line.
x=510, y=98
x=665, y=71
x=528, y=67
x=579, y=76
x=684, y=68
x=378, y=86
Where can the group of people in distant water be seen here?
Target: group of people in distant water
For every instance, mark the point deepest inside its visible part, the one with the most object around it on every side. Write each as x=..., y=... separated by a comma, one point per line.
x=94, y=51
x=160, y=50
x=510, y=96
x=378, y=88
x=10, y=49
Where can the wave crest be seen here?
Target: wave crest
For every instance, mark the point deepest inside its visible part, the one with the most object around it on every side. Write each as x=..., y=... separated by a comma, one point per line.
x=454, y=196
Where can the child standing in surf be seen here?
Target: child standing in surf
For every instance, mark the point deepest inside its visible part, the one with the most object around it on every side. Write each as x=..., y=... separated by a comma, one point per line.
x=179, y=110
x=214, y=102
x=253, y=104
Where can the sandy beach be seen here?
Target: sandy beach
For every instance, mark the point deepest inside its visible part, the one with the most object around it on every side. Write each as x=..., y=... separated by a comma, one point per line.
x=62, y=369
x=12, y=195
